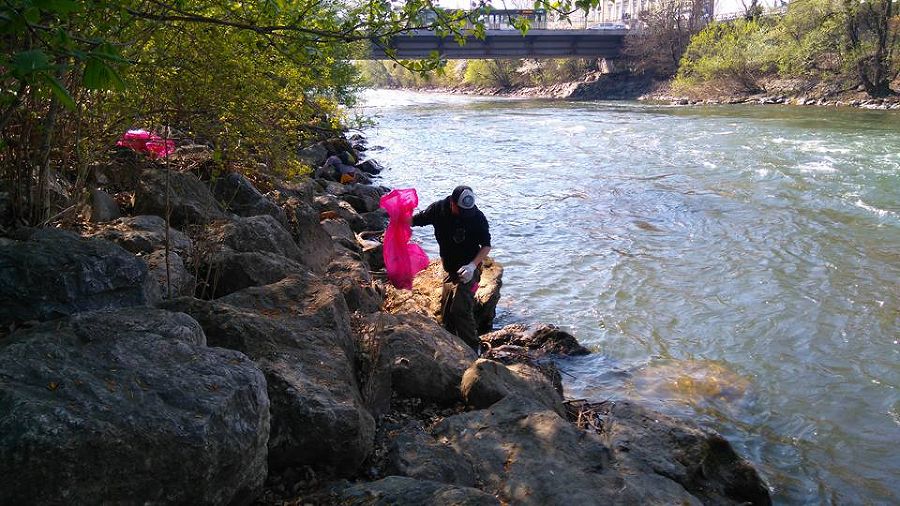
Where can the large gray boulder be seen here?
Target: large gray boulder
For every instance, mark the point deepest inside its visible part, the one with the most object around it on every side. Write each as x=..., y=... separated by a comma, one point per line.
x=487, y=382
x=337, y=145
x=488, y=295
x=245, y=252
x=56, y=273
x=527, y=454
x=298, y=332
x=313, y=155
x=168, y=279
x=129, y=406
x=374, y=221
x=539, y=339
x=227, y=271
x=401, y=491
x=261, y=233
x=370, y=167
x=101, y=207
x=363, y=197
x=331, y=206
x=189, y=199
x=417, y=454
x=237, y=194
x=425, y=361
x=349, y=271
x=700, y=460
x=143, y=234
x=341, y=232
x=315, y=244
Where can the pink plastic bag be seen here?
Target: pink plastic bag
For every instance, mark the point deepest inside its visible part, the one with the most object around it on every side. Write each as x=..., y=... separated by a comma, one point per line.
x=401, y=259
x=143, y=141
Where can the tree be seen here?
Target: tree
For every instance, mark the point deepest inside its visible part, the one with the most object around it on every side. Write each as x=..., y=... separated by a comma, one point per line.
x=872, y=31
x=659, y=40
x=730, y=54
x=251, y=78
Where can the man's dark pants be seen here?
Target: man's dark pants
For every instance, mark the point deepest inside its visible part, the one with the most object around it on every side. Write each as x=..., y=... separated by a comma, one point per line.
x=458, y=309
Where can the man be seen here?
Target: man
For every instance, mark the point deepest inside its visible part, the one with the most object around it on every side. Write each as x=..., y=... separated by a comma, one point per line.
x=464, y=239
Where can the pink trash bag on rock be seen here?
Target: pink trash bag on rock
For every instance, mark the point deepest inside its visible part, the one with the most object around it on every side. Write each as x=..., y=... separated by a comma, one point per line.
x=143, y=141
x=401, y=259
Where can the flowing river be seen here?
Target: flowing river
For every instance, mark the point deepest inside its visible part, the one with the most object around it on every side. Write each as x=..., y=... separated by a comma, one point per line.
x=737, y=265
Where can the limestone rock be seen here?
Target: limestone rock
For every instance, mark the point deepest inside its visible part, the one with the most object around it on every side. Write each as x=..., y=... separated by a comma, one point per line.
x=341, y=209
x=488, y=295
x=540, y=339
x=373, y=254
x=527, y=454
x=425, y=360
x=416, y=454
x=370, y=167
x=315, y=245
x=398, y=490
x=363, y=198
x=244, y=252
x=227, y=271
x=298, y=332
x=340, y=231
x=349, y=271
x=102, y=207
x=176, y=280
x=374, y=221
x=56, y=273
x=129, y=406
x=337, y=145
x=701, y=461
x=190, y=201
x=313, y=155
x=237, y=194
x=363, y=178
x=143, y=234
x=487, y=382
x=261, y=233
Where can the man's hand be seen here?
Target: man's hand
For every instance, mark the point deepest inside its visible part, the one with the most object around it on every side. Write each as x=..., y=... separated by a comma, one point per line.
x=466, y=272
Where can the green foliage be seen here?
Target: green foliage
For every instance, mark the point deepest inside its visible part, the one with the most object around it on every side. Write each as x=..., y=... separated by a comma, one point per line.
x=490, y=73
x=810, y=37
x=254, y=79
x=391, y=74
x=737, y=52
x=482, y=73
x=815, y=40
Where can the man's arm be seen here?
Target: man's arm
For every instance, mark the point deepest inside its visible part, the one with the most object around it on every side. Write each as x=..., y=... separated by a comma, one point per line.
x=424, y=218
x=482, y=254
x=485, y=241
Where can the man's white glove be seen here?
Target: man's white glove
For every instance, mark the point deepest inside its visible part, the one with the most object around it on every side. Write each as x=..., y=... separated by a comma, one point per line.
x=466, y=272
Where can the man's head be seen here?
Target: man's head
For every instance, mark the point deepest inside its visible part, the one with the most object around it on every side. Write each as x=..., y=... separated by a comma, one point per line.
x=462, y=200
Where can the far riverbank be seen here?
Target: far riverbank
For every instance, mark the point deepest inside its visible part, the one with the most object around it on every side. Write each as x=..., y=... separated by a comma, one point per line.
x=624, y=86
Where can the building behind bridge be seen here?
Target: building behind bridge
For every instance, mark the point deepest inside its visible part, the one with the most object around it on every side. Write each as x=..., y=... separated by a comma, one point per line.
x=612, y=14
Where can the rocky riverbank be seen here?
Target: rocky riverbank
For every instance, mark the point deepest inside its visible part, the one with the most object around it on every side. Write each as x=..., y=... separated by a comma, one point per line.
x=623, y=86
x=249, y=350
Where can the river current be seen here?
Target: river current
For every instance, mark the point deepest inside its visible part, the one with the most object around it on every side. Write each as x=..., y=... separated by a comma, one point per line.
x=737, y=265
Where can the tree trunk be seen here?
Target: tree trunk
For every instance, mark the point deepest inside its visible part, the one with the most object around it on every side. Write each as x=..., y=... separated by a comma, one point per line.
x=41, y=202
x=873, y=70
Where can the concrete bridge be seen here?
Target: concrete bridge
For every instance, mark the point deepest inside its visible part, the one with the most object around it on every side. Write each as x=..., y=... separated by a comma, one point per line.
x=508, y=44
